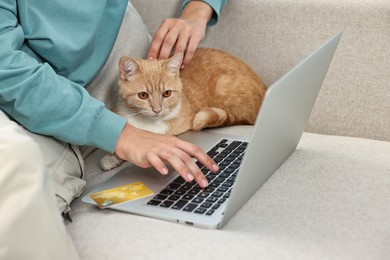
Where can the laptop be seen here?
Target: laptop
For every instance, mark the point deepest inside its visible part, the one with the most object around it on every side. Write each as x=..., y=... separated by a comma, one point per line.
x=245, y=162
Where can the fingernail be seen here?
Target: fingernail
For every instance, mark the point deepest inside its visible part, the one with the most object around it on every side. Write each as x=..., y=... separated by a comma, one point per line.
x=205, y=183
x=190, y=177
x=164, y=171
x=215, y=167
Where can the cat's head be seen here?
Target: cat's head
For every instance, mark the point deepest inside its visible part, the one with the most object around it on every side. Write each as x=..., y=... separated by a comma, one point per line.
x=151, y=88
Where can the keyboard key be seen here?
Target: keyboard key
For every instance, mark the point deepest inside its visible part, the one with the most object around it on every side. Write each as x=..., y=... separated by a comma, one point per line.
x=190, y=207
x=212, y=153
x=166, y=192
x=225, y=174
x=174, y=197
x=217, y=194
x=203, y=195
x=210, y=177
x=240, y=150
x=206, y=205
x=205, y=171
x=219, y=180
x=179, y=204
x=208, y=189
x=225, y=152
x=234, y=165
x=211, y=199
x=166, y=204
x=210, y=212
x=227, y=184
x=238, y=160
x=186, y=187
x=214, y=184
x=232, y=179
x=179, y=180
x=173, y=186
x=196, y=186
x=216, y=206
x=222, y=189
x=224, y=163
x=230, y=158
x=154, y=202
x=234, y=145
x=193, y=191
x=218, y=158
x=221, y=201
x=229, y=171
x=160, y=197
x=188, y=197
x=197, y=200
x=179, y=192
x=235, y=154
x=200, y=210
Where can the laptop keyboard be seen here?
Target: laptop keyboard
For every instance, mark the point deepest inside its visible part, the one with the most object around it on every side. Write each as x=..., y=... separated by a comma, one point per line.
x=190, y=197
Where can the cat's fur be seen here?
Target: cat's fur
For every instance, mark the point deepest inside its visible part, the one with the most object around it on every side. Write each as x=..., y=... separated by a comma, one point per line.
x=215, y=90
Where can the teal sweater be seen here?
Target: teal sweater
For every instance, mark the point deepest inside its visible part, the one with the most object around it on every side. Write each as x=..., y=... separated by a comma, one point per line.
x=49, y=52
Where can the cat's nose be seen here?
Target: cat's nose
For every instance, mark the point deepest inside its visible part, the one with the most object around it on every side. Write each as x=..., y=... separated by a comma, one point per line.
x=156, y=110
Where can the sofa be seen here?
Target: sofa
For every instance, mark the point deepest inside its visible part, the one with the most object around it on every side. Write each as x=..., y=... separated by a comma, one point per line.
x=331, y=198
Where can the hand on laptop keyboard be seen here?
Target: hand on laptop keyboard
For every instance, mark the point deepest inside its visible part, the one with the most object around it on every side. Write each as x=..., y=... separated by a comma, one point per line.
x=147, y=149
x=189, y=197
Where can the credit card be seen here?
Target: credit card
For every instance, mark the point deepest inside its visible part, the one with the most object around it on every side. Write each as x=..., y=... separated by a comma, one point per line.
x=121, y=194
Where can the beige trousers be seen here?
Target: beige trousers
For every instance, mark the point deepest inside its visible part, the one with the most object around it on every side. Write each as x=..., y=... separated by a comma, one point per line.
x=41, y=176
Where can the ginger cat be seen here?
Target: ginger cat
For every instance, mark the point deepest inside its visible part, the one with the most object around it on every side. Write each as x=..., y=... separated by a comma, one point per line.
x=215, y=90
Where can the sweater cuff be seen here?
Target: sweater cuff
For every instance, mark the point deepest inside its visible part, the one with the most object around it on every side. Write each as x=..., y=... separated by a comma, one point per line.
x=106, y=131
x=216, y=5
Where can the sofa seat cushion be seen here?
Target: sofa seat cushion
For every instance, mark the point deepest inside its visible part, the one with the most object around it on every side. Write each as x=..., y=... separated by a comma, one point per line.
x=330, y=199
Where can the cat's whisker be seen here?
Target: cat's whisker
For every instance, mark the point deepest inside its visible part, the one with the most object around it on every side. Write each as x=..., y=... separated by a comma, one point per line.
x=135, y=113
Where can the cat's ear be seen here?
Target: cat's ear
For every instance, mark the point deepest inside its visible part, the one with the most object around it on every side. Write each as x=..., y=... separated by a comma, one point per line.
x=173, y=64
x=127, y=67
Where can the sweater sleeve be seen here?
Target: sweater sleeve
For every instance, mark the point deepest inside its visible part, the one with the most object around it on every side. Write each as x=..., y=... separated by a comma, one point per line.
x=216, y=5
x=44, y=102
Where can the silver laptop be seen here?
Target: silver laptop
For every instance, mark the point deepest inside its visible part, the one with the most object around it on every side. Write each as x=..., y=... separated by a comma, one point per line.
x=245, y=163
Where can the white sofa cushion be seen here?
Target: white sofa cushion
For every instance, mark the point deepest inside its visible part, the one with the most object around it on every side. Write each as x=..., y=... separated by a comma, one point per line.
x=329, y=200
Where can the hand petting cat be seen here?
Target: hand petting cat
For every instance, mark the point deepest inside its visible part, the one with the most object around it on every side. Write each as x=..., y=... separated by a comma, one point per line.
x=181, y=35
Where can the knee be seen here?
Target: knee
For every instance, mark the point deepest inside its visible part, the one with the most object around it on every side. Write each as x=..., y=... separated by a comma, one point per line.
x=21, y=155
x=23, y=149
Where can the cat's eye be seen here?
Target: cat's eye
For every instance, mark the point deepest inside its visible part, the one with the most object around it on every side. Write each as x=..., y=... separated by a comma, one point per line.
x=143, y=95
x=167, y=93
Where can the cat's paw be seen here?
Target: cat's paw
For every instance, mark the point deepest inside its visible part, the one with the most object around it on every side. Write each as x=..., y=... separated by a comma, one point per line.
x=109, y=162
x=200, y=120
x=209, y=117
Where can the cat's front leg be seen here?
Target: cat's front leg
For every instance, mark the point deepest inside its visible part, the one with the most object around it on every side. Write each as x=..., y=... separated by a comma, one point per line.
x=110, y=161
x=209, y=117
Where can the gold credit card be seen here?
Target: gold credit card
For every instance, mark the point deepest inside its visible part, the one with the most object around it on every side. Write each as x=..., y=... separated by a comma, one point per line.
x=121, y=194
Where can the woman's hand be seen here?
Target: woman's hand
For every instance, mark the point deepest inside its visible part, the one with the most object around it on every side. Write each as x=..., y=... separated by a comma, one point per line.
x=183, y=34
x=147, y=149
